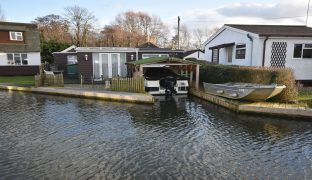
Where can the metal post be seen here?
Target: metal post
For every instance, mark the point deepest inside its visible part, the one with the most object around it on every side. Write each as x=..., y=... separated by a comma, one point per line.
x=197, y=77
x=178, y=32
x=92, y=81
x=81, y=80
x=308, y=13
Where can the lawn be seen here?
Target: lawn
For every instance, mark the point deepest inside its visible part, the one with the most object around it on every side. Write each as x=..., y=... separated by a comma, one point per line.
x=305, y=96
x=23, y=80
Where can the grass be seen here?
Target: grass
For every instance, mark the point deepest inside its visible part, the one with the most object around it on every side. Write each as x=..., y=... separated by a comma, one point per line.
x=305, y=96
x=22, y=80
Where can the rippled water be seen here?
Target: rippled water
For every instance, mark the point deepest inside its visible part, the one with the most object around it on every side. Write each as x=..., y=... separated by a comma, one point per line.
x=56, y=137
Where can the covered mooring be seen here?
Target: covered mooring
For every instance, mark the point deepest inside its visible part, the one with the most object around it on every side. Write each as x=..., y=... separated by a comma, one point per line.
x=180, y=66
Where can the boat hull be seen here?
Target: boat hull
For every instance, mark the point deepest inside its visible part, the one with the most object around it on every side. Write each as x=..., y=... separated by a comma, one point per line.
x=244, y=91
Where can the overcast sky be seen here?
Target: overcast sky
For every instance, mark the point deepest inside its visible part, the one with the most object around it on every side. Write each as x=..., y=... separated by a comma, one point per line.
x=194, y=13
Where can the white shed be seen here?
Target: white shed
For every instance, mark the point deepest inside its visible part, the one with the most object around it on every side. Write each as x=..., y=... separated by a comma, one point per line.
x=196, y=54
x=263, y=45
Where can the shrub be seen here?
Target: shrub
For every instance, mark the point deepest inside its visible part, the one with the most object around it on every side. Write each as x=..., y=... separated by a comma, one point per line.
x=227, y=73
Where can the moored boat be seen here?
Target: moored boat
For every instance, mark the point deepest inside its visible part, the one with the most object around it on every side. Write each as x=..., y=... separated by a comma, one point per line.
x=244, y=91
x=162, y=80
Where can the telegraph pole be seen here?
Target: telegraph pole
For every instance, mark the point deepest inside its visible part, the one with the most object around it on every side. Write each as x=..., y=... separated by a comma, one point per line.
x=178, y=32
x=308, y=13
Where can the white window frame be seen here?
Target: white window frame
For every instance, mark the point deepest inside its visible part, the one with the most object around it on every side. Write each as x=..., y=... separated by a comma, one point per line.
x=18, y=36
x=20, y=55
x=72, y=59
x=240, y=48
x=157, y=55
x=302, y=48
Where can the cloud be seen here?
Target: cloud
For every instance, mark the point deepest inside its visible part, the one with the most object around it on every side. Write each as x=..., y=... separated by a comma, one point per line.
x=288, y=12
x=265, y=11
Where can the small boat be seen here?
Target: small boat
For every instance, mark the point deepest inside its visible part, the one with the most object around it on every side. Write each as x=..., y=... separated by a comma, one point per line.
x=244, y=91
x=163, y=81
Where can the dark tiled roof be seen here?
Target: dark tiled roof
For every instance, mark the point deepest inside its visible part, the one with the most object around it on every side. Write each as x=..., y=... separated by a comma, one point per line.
x=148, y=45
x=6, y=23
x=275, y=30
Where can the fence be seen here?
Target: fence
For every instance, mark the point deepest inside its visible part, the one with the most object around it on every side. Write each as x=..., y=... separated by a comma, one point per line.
x=49, y=80
x=128, y=84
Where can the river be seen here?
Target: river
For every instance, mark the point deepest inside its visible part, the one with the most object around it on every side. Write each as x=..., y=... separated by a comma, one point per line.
x=54, y=137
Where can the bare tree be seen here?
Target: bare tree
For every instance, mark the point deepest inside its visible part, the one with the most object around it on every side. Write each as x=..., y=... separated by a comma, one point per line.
x=134, y=28
x=53, y=27
x=81, y=23
x=185, y=38
x=200, y=35
x=2, y=16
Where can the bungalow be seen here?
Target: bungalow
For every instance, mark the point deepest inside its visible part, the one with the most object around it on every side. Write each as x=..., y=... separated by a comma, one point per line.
x=19, y=49
x=194, y=54
x=263, y=45
x=107, y=62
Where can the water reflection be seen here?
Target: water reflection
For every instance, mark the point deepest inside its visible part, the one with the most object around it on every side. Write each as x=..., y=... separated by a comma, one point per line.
x=55, y=137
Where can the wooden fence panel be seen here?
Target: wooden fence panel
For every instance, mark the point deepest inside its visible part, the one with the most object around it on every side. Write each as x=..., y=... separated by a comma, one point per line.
x=128, y=84
x=49, y=80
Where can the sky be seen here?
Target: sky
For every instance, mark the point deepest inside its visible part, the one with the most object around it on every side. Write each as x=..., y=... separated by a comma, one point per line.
x=193, y=13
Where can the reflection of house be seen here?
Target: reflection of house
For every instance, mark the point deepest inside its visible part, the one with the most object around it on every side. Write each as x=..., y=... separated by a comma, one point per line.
x=263, y=45
x=194, y=54
x=19, y=49
x=107, y=61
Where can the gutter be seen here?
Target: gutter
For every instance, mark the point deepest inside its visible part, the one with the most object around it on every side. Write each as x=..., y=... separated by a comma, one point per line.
x=251, y=49
x=264, y=47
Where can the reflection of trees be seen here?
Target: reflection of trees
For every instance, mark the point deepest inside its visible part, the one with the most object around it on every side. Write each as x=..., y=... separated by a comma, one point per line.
x=275, y=131
x=169, y=111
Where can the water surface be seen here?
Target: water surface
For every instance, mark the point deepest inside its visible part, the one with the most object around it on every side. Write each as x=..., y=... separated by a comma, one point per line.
x=56, y=137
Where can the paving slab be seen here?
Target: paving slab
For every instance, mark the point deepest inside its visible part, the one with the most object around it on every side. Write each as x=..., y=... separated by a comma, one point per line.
x=84, y=93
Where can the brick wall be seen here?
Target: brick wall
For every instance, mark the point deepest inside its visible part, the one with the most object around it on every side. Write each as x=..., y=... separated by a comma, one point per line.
x=18, y=70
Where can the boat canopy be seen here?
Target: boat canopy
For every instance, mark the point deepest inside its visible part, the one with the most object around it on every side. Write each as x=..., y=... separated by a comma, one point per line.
x=180, y=66
x=154, y=60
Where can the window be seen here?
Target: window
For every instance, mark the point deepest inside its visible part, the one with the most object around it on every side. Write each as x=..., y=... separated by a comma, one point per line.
x=303, y=51
x=72, y=59
x=16, y=36
x=240, y=51
x=17, y=59
x=144, y=56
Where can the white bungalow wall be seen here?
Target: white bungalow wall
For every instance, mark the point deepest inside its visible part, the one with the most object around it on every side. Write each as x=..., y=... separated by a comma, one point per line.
x=302, y=67
x=33, y=59
x=253, y=48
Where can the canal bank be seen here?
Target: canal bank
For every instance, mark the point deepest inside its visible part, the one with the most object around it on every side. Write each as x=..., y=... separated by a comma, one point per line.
x=84, y=93
x=265, y=108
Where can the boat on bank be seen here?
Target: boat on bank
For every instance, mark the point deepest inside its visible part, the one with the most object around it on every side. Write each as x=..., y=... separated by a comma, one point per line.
x=244, y=91
x=164, y=81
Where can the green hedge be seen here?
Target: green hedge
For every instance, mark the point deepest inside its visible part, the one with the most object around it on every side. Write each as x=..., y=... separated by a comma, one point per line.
x=225, y=73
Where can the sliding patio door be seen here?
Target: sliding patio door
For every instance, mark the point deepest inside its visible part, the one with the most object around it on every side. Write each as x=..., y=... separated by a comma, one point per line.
x=115, y=60
x=109, y=65
x=105, y=70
